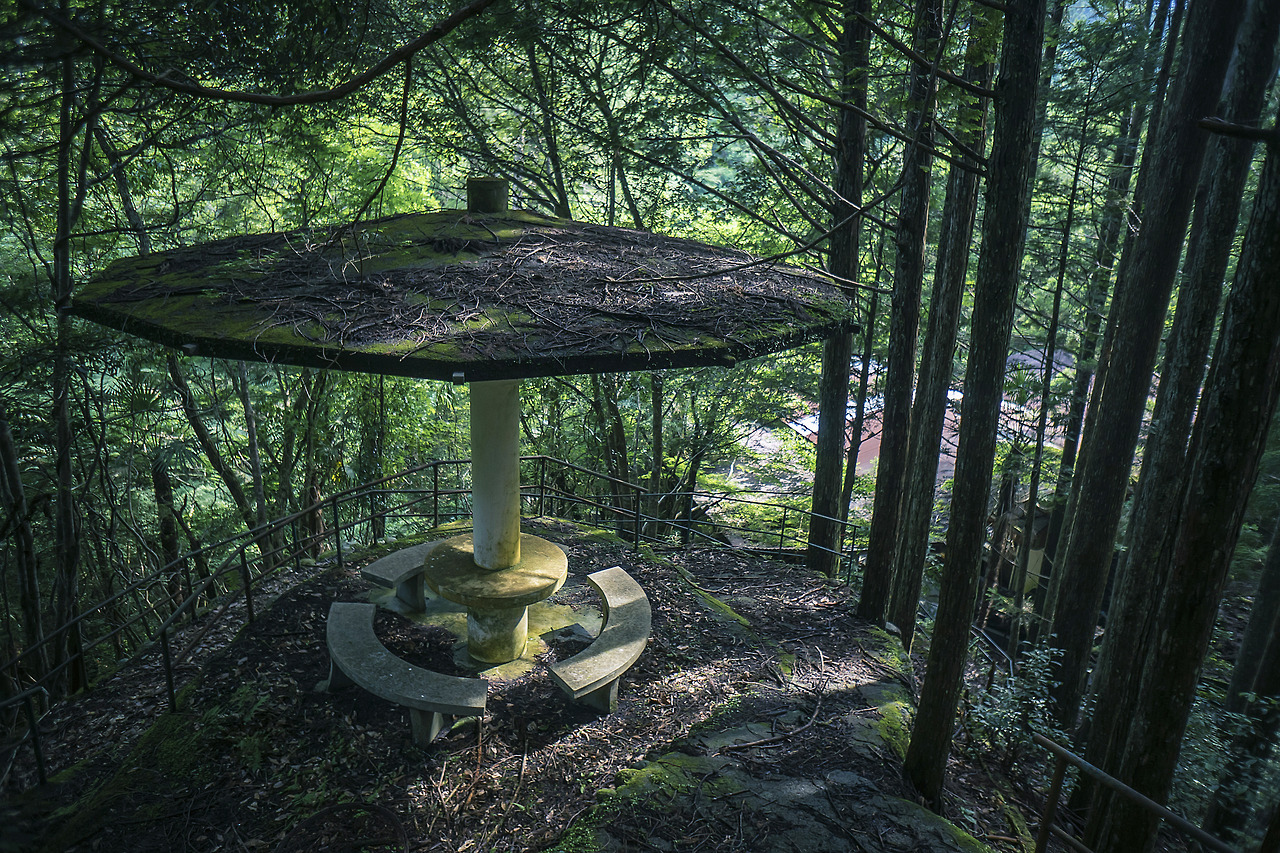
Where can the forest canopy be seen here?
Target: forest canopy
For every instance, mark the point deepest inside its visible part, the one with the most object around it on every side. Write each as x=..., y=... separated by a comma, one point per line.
x=1051, y=220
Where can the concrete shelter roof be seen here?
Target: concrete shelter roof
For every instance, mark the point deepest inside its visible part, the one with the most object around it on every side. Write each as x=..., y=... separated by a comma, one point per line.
x=467, y=297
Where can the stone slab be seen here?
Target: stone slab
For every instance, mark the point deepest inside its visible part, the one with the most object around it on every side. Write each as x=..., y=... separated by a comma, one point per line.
x=592, y=674
x=357, y=652
x=451, y=572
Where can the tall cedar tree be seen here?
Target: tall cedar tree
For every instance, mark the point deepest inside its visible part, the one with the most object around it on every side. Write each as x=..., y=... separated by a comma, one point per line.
x=904, y=322
x=1166, y=189
x=1119, y=176
x=1226, y=445
x=929, y=409
x=1008, y=199
x=826, y=532
x=1255, y=686
x=1218, y=202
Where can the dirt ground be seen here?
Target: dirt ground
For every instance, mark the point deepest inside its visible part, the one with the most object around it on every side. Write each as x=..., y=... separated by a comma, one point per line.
x=756, y=680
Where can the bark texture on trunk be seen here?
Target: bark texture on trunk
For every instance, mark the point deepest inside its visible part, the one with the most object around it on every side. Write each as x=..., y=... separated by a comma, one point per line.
x=999, y=262
x=1166, y=189
x=904, y=325
x=1226, y=446
x=1140, y=580
x=928, y=412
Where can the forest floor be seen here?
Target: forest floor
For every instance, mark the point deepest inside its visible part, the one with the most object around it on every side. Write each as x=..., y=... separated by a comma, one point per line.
x=762, y=716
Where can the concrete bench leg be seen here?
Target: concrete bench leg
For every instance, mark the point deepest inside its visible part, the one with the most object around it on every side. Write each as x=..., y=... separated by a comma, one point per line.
x=425, y=725
x=603, y=698
x=412, y=592
x=338, y=680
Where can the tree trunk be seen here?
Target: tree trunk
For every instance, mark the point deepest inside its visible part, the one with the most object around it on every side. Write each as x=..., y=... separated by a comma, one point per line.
x=1109, y=239
x=167, y=515
x=1271, y=843
x=66, y=580
x=928, y=413
x=826, y=532
x=604, y=402
x=1166, y=188
x=1259, y=634
x=904, y=323
x=656, y=405
x=1046, y=381
x=1139, y=582
x=859, y=411
x=225, y=472
x=999, y=261
x=256, y=478
x=1226, y=446
x=546, y=111
x=18, y=518
x=1230, y=806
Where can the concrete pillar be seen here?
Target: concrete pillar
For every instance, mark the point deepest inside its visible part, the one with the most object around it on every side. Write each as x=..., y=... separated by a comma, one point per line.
x=495, y=472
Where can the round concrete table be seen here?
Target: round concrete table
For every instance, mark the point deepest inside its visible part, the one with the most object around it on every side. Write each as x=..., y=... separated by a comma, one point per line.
x=497, y=600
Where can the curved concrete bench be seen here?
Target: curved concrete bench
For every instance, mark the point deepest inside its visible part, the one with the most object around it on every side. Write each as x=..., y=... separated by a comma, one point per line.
x=357, y=656
x=591, y=676
x=402, y=571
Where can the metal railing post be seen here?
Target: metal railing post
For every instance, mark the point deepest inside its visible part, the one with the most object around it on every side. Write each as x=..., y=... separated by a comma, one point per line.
x=297, y=547
x=248, y=589
x=637, y=497
x=1051, y=804
x=435, y=495
x=168, y=669
x=337, y=530
x=542, y=486
x=782, y=530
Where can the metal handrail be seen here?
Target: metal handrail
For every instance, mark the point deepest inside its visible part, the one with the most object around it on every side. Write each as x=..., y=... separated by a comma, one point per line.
x=1063, y=757
x=238, y=566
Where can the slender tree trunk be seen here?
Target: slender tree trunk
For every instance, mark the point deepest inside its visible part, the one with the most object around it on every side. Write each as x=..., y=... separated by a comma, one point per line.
x=656, y=407
x=170, y=550
x=999, y=261
x=256, y=478
x=1166, y=189
x=1226, y=446
x=1109, y=239
x=826, y=532
x=66, y=583
x=928, y=413
x=1260, y=633
x=904, y=323
x=547, y=115
x=1139, y=582
x=864, y=384
x=859, y=411
x=1231, y=804
x=1046, y=381
x=225, y=472
x=17, y=516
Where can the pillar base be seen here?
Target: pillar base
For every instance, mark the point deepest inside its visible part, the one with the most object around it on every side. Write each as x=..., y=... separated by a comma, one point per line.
x=497, y=600
x=497, y=635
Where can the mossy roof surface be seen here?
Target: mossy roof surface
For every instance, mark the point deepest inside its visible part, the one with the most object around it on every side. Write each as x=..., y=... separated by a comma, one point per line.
x=472, y=297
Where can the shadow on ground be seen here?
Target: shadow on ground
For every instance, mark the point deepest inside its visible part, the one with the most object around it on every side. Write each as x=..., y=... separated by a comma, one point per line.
x=762, y=716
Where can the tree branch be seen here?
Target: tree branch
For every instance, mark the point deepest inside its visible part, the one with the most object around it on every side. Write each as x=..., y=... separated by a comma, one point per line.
x=388, y=62
x=1241, y=131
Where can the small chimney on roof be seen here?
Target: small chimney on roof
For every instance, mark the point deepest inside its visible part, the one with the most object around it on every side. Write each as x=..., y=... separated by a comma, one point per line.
x=487, y=195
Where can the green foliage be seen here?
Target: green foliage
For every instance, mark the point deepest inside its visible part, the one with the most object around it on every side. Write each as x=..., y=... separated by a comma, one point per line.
x=1000, y=720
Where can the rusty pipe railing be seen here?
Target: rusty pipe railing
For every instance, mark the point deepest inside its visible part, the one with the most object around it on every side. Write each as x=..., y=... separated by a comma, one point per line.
x=1064, y=757
x=250, y=557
